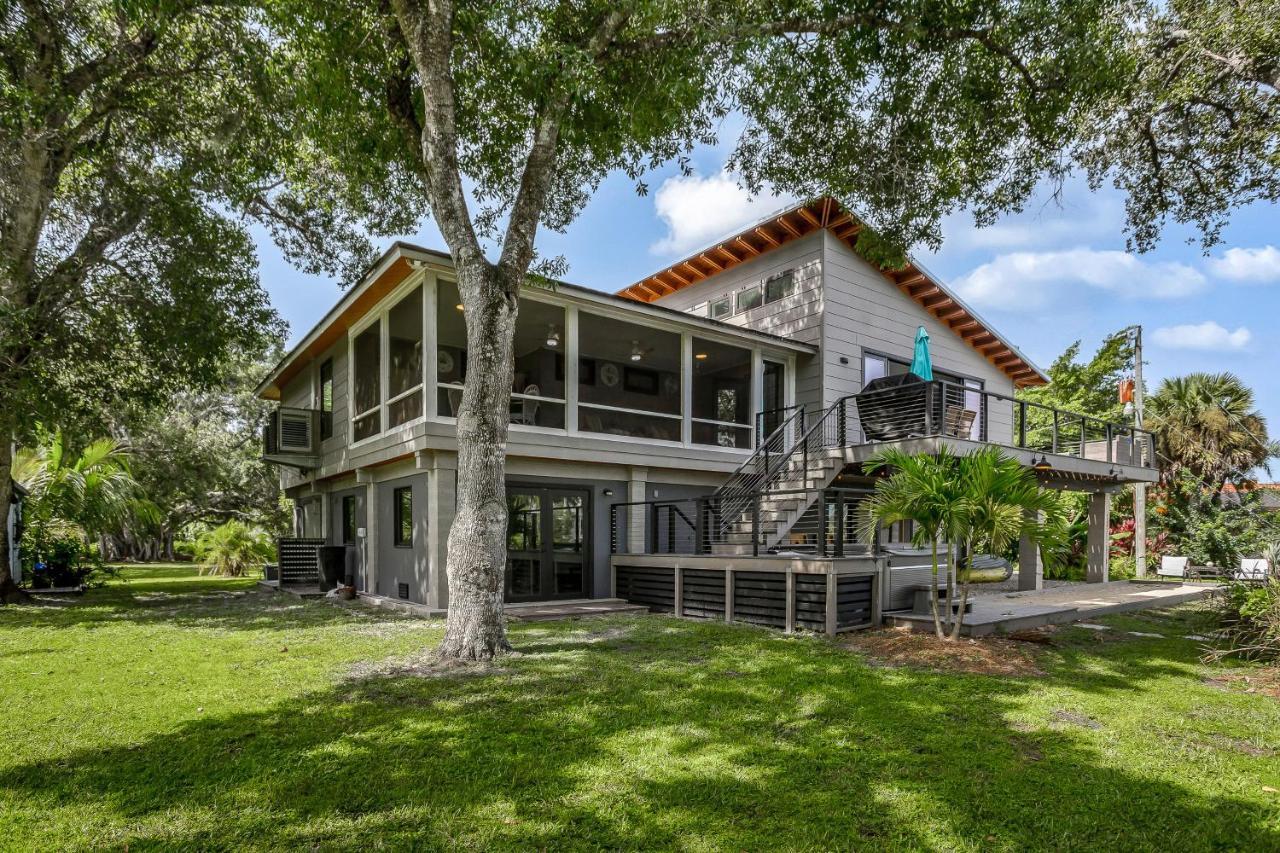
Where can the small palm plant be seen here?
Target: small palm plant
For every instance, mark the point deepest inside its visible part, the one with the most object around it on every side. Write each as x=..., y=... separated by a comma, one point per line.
x=232, y=549
x=924, y=490
x=1001, y=503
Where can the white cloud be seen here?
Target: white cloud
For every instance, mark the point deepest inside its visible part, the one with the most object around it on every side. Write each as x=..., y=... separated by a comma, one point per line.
x=1253, y=266
x=699, y=210
x=1202, y=336
x=1045, y=224
x=1034, y=281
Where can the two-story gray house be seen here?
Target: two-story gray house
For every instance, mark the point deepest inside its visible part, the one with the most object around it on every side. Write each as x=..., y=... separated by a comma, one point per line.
x=692, y=438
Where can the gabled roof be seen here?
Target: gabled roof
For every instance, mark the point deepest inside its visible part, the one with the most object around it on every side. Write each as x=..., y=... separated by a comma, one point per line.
x=830, y=214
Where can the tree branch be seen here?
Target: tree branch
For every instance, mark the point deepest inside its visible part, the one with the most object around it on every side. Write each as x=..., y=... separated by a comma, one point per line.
x=428, y=38
x=539, y=167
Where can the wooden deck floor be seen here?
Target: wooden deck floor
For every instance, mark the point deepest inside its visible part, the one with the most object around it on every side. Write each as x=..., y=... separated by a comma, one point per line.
x=1020, y=611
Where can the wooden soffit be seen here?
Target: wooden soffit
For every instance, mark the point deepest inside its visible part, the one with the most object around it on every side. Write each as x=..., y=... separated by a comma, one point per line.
x=830, y=215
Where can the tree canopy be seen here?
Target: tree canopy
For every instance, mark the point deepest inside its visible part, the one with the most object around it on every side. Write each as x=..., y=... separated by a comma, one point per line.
x=1194, y=129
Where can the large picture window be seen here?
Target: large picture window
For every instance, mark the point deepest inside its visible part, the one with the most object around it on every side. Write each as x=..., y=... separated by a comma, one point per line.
x=721, y=394
x=629, y=381
x=404, y=353
x=367, y=377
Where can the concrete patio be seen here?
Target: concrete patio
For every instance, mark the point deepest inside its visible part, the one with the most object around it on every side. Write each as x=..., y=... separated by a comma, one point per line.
x=1003, y=612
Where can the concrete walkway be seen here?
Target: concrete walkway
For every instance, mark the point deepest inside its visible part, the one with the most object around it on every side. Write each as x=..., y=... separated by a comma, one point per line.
x=1020, y=611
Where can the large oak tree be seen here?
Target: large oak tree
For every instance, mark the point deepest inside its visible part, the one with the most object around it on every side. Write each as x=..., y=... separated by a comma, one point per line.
x=508, y=114
x=135, y=137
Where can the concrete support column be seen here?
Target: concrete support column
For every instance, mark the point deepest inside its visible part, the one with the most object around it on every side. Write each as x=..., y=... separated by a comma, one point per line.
x=637, y=518
x=1099, y=569
x=442, y=505
x=1030, y=563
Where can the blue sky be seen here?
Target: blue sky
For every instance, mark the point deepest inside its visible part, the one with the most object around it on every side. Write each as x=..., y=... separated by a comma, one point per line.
x=1053, y=274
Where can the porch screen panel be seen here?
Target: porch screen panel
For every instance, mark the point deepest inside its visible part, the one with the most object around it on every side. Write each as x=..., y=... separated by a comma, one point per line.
x=404, y=348
x=628, y=379
x=721, y=394
x=367, y=372
x=451, y=349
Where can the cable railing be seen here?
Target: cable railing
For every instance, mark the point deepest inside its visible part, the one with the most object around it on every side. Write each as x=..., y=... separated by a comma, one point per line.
x=817, y=522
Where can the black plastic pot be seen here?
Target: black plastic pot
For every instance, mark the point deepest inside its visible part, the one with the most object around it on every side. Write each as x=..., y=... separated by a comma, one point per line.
x=333, y=565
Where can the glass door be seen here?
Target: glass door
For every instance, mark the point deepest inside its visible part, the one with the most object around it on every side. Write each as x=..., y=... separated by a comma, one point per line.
x=772, y=399
x=548, y=544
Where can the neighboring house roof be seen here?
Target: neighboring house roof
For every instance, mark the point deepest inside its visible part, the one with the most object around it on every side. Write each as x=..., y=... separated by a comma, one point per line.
x=1268, y=494
x=397, y=263
x=830, y=214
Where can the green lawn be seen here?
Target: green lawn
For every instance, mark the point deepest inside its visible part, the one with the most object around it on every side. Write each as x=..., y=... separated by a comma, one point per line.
x=176, y=712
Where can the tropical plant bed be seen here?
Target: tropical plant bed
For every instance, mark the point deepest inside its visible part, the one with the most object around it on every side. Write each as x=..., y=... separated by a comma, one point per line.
x=171, y=711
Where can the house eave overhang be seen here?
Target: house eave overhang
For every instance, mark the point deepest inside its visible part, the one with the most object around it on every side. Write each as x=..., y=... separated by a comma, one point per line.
x=403, y=259
x=830, y=215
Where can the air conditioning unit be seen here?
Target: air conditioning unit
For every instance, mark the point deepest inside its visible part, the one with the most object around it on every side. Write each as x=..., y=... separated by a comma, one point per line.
x=292, y=431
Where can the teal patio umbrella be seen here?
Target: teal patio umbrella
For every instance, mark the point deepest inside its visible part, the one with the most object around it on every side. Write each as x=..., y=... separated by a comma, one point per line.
x=921, y=364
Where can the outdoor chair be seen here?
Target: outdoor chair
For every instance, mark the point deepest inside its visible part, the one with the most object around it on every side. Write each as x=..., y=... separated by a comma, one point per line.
x=958, y=421
x=528, y=413
x=1173, y=567
x=1253, y=570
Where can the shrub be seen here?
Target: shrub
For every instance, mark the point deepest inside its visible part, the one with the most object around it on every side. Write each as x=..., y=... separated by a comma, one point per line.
x=1251, y=621
x=233, y=548
x=55, y=556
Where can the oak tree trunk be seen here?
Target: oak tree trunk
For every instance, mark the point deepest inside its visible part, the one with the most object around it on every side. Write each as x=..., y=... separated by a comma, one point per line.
x=475, y=629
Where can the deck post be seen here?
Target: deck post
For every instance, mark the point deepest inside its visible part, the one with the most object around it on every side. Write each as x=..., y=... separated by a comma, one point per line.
x=679, y=591
x=728, y=595
x=1022, y=423
x=1099, y=569
x=1055, y=432
x=839, y=543
x=833, y=589
x=755, y=525
x=822, y=523
x=1030, y=563
x=790, y=599
x=699, y=507
x=928, y=408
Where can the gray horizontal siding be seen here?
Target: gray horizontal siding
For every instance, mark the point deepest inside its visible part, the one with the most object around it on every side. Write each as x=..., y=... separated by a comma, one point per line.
x=865, y=311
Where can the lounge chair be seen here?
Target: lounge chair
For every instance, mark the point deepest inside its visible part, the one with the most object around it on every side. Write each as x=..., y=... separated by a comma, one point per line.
x=1173, y=567
x=1253, y=570
x=958, y=422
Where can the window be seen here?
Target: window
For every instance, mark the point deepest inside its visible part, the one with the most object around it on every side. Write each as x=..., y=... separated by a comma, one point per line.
x=721, y=394
x=778, y=287
x=402, y=502
x=348, y=519
x=749, y=298
x=720, y=308
x=404, y=354
x=326, y=399
x=367, y=355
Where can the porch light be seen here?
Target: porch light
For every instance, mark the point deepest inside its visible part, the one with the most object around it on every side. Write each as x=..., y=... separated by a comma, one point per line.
x=458, y=306
x=1042, y=465
x=553, y=336
x=700, y=356
x=636, y=352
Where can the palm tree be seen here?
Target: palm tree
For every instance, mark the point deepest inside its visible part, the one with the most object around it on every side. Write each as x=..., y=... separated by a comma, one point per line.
x=1001, y=502
x=94, y=491
x=1206, y=423
x=922, y=489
